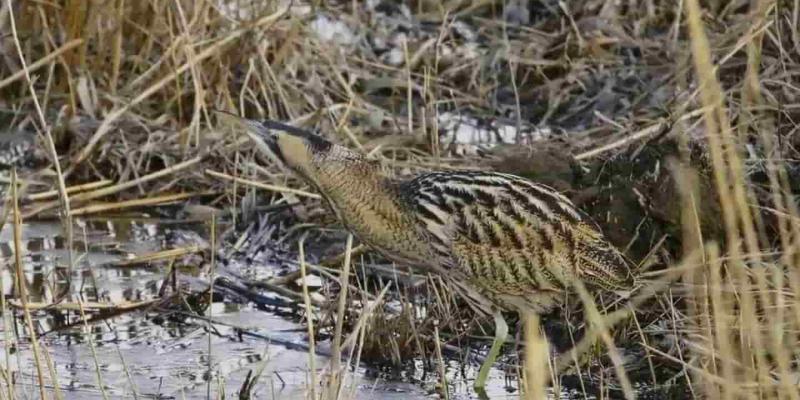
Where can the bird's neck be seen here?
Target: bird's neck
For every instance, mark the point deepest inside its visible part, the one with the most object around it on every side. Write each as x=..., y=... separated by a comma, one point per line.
x=369, y=206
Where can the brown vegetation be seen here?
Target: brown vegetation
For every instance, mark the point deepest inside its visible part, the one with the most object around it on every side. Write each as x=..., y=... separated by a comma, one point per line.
x=673, y=123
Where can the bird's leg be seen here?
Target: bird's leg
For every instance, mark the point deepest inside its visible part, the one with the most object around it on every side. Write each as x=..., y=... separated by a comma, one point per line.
x=500, y=334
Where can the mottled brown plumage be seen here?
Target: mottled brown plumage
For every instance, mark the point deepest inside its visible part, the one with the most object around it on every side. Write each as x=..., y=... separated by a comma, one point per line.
x=499, y=239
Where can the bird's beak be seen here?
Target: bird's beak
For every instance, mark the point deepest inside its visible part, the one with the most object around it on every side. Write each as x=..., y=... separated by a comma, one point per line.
x=261, y=135
x=265, y=140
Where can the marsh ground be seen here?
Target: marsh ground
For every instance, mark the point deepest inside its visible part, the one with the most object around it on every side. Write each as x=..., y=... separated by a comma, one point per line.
x=674, y=124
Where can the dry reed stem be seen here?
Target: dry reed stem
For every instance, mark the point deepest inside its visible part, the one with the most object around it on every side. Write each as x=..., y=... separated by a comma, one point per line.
x=194, y=124
x=536, y=359
x=69, y=189
x=361, y=334
x=80, y=197
x=272, y=287
x=90, y=306
x=21, y=287
x=149, y=201
x=53, y=377
x=7, y=322
x=116, y=56
x=339, y=258
x=309, y=319
x=160, y=255
x=273, y=188
x=710, y=94
x=649, y=356
x=41, y=62
x=128, y=375
x=675, y=319
x=413, y=323
x=752, y=100
x=364, y=317
x=735, y=197
x=23, y=183
x=90, y=338
x=335, y=382
x=212, y=271
x=437, y=342
x=686, y=182
x=598, y=322
x=641, y=134
x=644, y=293
x=209, y=51
x=66, y=217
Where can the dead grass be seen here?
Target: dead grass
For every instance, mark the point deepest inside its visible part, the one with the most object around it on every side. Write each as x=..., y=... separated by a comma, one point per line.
x=120, y=94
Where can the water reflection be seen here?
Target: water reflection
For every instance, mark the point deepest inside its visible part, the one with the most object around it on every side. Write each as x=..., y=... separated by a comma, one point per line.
x=146, y=351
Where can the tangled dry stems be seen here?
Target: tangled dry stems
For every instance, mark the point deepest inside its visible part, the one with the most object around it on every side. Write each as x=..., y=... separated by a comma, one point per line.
x=128, y=87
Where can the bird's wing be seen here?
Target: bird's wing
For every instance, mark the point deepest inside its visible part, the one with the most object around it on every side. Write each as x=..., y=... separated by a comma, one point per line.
x=507, y=233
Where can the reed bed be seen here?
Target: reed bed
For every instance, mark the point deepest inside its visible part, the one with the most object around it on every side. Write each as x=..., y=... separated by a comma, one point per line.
x=674, y=124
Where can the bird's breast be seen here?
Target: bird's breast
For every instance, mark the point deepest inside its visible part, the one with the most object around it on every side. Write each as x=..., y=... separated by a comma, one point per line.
x=380, y=224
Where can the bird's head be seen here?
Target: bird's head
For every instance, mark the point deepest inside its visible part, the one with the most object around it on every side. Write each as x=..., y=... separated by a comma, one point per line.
x=307, y=154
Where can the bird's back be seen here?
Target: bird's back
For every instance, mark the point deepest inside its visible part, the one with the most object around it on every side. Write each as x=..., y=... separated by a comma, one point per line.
x=519, y=243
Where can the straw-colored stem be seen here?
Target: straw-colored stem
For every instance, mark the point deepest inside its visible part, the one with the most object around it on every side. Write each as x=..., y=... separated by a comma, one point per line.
x=160, y=255
x=264, y=186
x=7, y=322
x=536, y=355
x=335, y=381
x=209, y=51
x=149, y=201
x=70, y=190
x=437, y=342
x=53, y=377
x=116, y=57
x=51, y=149
x=134, y=390
x=92, y=347
x=21, y=287
x=362, y=320
x=596, y=319
x=41, y=62
x=212, y=271
x=309, y=320
x=81, y=197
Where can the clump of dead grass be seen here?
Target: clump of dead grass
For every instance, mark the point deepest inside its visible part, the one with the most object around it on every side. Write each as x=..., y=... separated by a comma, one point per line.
x=127, y=88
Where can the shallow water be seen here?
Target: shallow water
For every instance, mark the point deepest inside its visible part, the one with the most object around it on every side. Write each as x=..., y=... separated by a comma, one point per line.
x=142, y=354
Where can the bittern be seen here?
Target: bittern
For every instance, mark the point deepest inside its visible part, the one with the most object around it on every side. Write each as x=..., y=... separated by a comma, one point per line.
x=501, y=241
